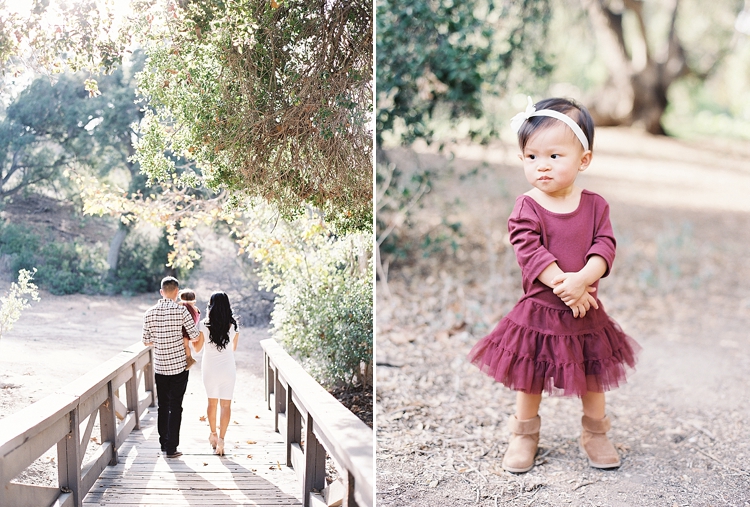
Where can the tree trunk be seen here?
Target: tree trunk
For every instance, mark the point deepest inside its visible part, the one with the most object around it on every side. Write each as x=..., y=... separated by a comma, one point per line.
x=612, y=105
x=636, y=92
x=115, y=246
x=649, y=101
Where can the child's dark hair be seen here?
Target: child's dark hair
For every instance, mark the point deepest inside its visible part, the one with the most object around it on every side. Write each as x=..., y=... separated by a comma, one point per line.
x=576, y=111
x=187, y=295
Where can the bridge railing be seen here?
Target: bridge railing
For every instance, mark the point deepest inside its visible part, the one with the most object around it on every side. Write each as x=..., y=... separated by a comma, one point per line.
x=67, y=419
x=314, y=422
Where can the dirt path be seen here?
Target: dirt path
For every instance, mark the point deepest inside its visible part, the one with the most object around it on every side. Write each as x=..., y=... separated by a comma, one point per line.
x=682, y=423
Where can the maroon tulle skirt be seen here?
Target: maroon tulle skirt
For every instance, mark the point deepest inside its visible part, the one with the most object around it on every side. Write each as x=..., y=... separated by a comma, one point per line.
x=528, y=351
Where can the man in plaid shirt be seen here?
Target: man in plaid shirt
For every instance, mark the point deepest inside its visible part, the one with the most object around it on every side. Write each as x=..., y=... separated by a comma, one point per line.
x=162, y=328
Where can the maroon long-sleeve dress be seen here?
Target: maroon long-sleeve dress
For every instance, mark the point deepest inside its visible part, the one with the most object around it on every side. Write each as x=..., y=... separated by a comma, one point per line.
x=539, y=346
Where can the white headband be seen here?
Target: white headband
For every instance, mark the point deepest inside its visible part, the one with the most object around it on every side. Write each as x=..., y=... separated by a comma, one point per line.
x=517, y=121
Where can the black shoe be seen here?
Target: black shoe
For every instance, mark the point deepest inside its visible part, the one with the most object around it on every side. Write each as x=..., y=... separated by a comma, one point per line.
x=175, y=454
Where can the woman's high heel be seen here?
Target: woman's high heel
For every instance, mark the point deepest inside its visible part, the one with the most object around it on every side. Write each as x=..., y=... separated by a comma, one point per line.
x=213, y=439
x=220, y=447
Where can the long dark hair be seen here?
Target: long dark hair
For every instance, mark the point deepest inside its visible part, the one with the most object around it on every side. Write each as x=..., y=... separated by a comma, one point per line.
x=220, y=319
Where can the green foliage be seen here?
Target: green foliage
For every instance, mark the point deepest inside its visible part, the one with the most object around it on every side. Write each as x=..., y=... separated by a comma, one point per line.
x=14, y=302
x=441, y=52
x=324, y=294
x=55, y=125
x=17, y=240
x=399, y=195
x=142, y=265
x=63, y=267
x=88, y=39
x=72, y=267
x=328, y=322
x=265, y=99
x=31, y=133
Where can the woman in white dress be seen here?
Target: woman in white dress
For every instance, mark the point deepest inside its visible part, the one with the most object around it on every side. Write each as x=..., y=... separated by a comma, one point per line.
x=219, y=370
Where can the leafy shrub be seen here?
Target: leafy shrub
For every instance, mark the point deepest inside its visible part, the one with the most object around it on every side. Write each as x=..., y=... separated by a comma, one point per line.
x=327, y=322
x=143, y=264
x=135, y=273
x=14, y=302
x=14, y=239
x=324, y=295
x=62, y=267
x=71, y=267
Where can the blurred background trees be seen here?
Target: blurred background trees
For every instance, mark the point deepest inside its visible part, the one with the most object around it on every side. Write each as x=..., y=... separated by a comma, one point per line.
x=451, y=71
x=197, y=114
x=649, y=46
x=443, y=57
x=631, y=62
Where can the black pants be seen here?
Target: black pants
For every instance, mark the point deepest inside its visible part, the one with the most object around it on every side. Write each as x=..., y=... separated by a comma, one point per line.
x=171, y=390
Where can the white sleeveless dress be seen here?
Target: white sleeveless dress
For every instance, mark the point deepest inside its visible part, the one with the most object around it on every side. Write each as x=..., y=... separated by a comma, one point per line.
x=218, y=368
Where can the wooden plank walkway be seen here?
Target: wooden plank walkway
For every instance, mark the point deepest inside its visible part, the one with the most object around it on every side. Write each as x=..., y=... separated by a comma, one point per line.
x=252, y=473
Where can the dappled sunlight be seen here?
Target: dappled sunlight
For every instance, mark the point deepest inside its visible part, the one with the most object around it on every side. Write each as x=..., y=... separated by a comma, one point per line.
x=638, y=168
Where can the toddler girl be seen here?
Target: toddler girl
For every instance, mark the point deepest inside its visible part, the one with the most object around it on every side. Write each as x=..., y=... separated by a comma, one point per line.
x=558, y=337
x=186, y=298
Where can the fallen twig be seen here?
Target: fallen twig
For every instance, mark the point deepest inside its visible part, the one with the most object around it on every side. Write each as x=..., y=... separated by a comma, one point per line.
x=729, y=467
x=491, y=448
x=699, y=428
x=582, y=484
x=474, y=469
x=403, y=409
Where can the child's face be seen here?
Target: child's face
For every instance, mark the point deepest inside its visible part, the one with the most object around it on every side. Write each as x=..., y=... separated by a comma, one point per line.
x=552, y=159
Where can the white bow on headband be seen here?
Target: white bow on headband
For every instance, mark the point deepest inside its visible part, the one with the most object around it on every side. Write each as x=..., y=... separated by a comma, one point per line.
x=517, y=121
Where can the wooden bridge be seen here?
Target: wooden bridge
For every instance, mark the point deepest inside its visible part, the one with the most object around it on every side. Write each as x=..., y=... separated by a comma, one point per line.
x=281, y=450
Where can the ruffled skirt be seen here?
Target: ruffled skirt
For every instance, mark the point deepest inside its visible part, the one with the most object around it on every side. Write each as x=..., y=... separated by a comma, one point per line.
x=528, y=351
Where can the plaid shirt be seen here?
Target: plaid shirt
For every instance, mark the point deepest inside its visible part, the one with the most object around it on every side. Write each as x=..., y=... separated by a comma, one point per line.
x=162, y=326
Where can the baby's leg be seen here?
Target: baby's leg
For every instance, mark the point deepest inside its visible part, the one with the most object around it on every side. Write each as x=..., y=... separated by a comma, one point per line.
x=190, y=360
x=594, y=405
x=527, y=405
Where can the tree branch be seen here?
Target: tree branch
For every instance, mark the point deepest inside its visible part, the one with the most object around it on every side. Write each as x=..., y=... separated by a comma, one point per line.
x=636, y=7
x=608, y=26
x=675, y=64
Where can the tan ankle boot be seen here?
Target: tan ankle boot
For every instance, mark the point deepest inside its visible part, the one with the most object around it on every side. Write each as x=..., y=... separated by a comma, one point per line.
x=596, y=445
x=524, y=440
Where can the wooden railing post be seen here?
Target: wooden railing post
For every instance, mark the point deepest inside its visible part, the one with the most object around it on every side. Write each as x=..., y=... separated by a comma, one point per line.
x=69, y=459
x=349, y=500
x=131, y=395
x=280, y=401
x=108, y=422
x=148, y=376
x=269, y=378
x=293, y=426
x=314, y=475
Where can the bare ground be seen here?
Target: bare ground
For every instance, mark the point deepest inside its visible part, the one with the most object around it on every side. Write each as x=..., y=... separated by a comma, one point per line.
x=679, y=287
